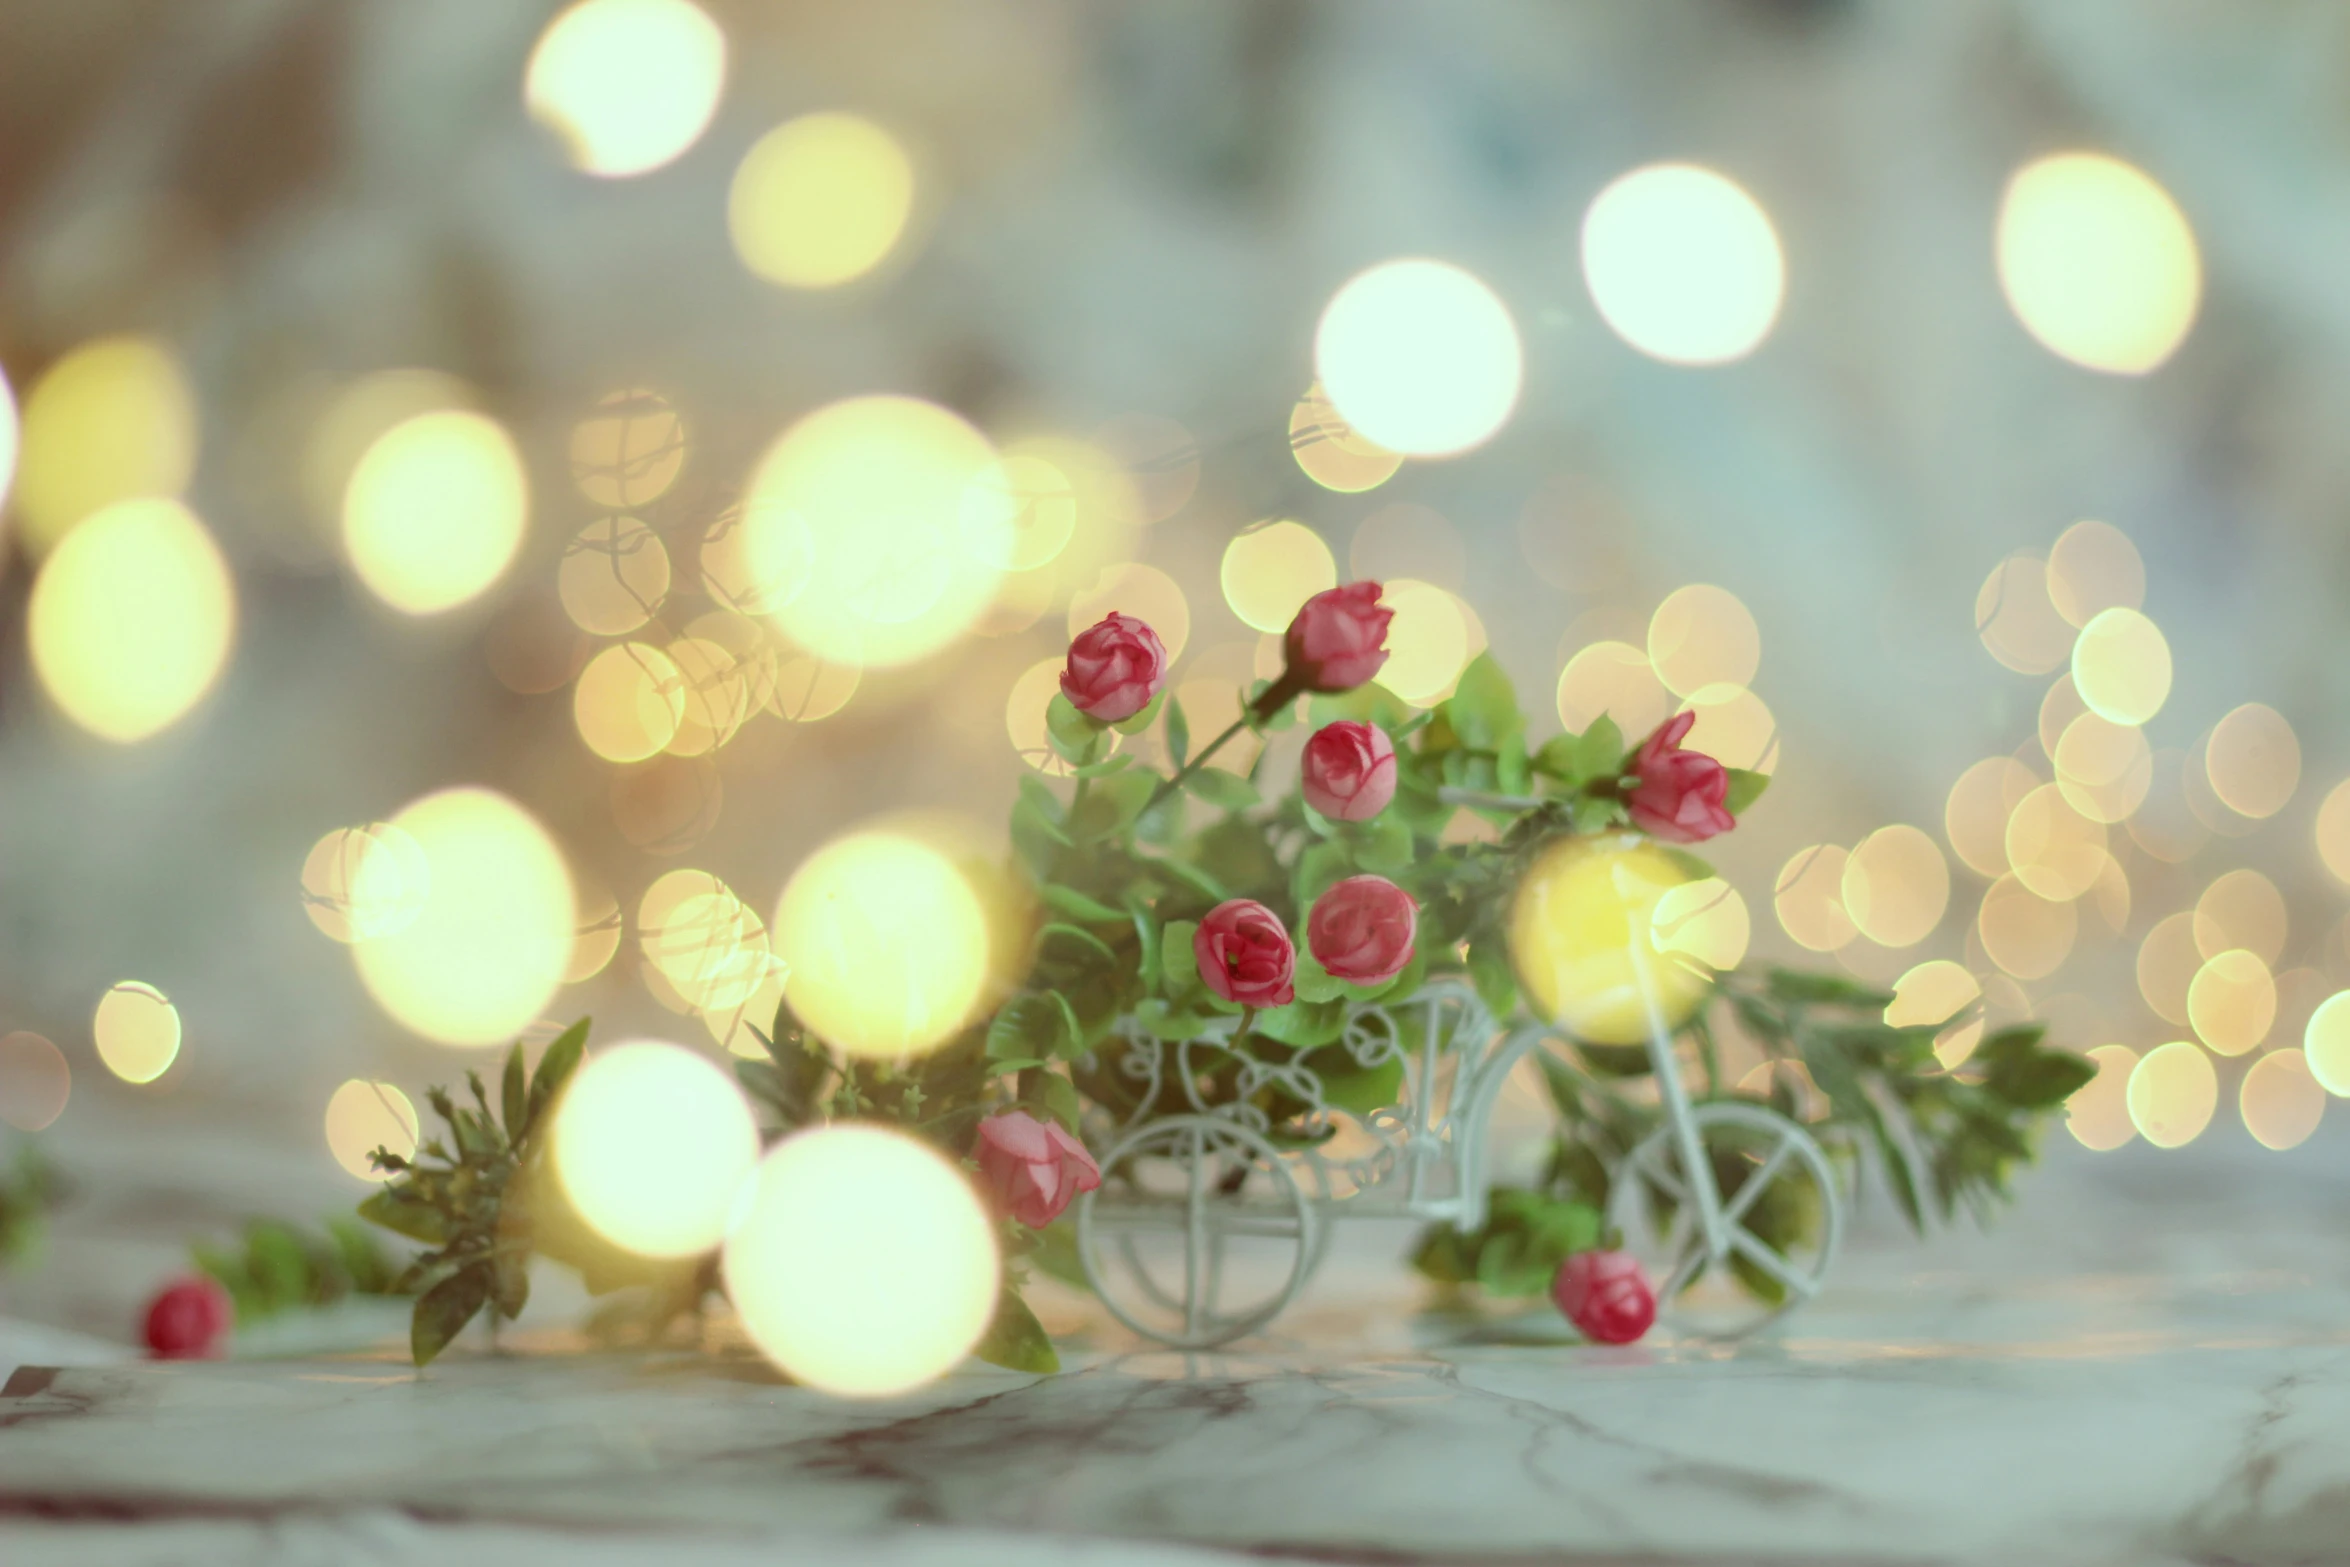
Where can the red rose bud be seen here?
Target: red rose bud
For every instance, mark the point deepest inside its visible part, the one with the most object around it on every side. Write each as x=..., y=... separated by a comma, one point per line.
x=1680, y=793
x=1605, y=1295
x=1361, y=930
x=1033, y=1168
x=1244, y=955
x=1114, y=669
x=1349, y=771
x=189, y=1321
x=1338, y=640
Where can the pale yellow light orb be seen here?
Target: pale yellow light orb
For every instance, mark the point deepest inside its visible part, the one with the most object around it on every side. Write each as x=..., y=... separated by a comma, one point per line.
x=2098, y=1113
x=652, y=1144
x=862, y=505
x=435, y=510
x=885, y=943
x=1270, y=570
x=627, y=84
x=1584, y=936
x=1427, y=641
x=1683, y=264
x=820, y=201
x=861, y=1262
x=1420, y=357
x=113, y=420
x=2172, y=1092
x=7, y=439
x=629, y=702
x=361, y=1117
x=2326, y=1044
x=1896, y=886
x=2121, y=666
x=2280, y=1101
x=2098, y=262
x=483, y=957
x=137, y=1032
x=131, y=618
x=362, y=882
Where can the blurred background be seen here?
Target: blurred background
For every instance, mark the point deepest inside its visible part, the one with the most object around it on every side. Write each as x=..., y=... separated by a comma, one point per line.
x=695, y=429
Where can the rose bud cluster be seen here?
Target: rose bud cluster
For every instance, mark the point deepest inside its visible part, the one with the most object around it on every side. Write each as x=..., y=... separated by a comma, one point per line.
x=1033, y=1168
x=1116, y=668
x=1337, y=640
x=1362, y=930
x=1679, y=794
x=189, y=1320
x=1605, y=1295
x=1245, y=954
x=1348, y=772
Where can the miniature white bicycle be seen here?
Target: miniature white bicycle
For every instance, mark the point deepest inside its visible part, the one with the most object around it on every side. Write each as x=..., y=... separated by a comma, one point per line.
x=1207, y=1224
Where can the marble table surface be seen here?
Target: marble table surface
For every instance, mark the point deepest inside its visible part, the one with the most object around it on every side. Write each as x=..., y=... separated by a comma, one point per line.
x=2149, y=1363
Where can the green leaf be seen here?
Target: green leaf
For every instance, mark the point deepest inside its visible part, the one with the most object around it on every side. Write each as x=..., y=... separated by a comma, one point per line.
x=405, y=1215
x=1161, y=1021
x=1745, y=789
x=1597, y=813
x=1384, y=845
x=514, y=1094
x=1026, y=1029
x=1045, y=804
x=1490, y=972
x=1074, y=737
x=554, y=1070
x=278, y=1265
x=1056, y=1253
x=1112, y=803
x=1075, y=904
x=1367, y=704
x=1057, y=1097
x=1207, y=887
x=1599, y=750
x=1116, y=764
x=510, y=1283
x=2017, y=1070
x=1304, y=1024
x=1178, y=959
x=1320, y=868
x=1144, y=719
x=1483, y=709
x=1071, y=1042
x=442, y=1311
x=1178, y=733
x=1314, y=982
x=1365, y=1089
x=1078, y=934
x=1225, y=791
x=1015, y=1340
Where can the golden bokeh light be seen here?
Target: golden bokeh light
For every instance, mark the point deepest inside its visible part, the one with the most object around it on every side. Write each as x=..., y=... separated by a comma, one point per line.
x=628, y=85
x=2097, y=262
x=820, y=200
x=1703, y=925
x=8, y=428
x=737, y=1030
x=1146, y=593
x=719, y=690
x=1702, y=636
x=1429, y=642
x=1331, y=453
x=2167, y=963
x=1931, y=994
x=362, y=882
x=2103, y=769
x=629, y=701
x=2026, y=935
x=1024, y=717
x=435, y=511
x=2333, y=831
x=35, y=1081
x=113, y=420
x=668, y=804
x=2280, y=1101
x=2122, y=667
x=137, y=1032
x=1733, y=726
x=1617, y=679
x=2253, y=760
x=2017, y=620
x=613, y=576
x=629, y=450
x=356, y=416
x=2232, y=1002
x=1976, y=814
x=2098, y=1113
x=2054, y=850
x=2325, y=1044
x=863, y=504
x=596, y=937
x=1808, y=897
x=2166, y=824
x=652, y=1143
x=1025, y=508
x=1213, y=706
x=2058, y=709
x=1896, y=886
x=885, y=942
x=1683, y=264
x=483, y=957
x=362, y=1116
x=2241, y=908
x=809, y=689
x=861, y=1262
x=1271, y=569
x=2172, y=1093
x=2093, y=567
x=131, y=619
x=705, y=941
x=1420, y=357
x=1588, y=928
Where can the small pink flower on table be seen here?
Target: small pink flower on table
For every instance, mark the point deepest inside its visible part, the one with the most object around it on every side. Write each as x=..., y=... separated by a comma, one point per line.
x=189, y=1320
x=1349, y=771
x=1245, y=954
x=1034, y=1168
x=1362, y=929
x=1337, y=640
x=1605, y=1295
x=1116, y=666
x=1679, y=796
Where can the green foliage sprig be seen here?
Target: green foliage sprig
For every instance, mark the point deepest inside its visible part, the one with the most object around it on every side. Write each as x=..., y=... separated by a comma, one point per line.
x=276, y=1267
x=30, y=1189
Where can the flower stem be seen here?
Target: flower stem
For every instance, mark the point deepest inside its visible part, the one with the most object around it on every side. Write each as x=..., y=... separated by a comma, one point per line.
x=1480, y=800
x=1284, y=690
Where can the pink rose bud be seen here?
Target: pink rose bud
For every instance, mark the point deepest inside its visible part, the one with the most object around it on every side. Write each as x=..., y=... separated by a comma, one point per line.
x=1349, y=771
x=189, y=1321
x=1339, y=638
x=1033, y=1167
x=1244, y=955
x=1605, y=1295
x=1361, y=929
x=1115, y=668
x=1680, y=793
